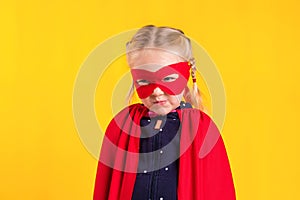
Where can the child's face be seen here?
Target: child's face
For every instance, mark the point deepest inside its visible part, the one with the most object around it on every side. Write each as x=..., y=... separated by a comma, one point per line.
x=157, y=100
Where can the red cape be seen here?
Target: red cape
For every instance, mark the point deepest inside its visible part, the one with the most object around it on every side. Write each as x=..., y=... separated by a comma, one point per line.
x=204, y=170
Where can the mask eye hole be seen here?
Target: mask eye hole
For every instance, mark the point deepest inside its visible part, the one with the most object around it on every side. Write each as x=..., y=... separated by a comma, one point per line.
x=142, y=82
x=170, y=78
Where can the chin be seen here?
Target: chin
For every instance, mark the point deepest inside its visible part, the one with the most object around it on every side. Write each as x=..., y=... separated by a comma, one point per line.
x=161, y=110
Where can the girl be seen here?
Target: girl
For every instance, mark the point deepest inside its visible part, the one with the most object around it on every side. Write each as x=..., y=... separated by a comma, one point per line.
x=163, y=149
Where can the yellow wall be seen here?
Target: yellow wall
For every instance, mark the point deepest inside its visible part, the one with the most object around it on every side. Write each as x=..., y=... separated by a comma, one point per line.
x=255, y=45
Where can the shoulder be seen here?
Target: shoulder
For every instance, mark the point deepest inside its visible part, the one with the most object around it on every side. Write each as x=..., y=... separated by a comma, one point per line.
x=125, y=121
x=198, y=120
x=132, y=112
x=194, y=115
x=133, y=109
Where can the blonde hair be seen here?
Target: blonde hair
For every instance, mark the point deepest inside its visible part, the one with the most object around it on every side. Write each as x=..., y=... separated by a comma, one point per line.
x=171, y=40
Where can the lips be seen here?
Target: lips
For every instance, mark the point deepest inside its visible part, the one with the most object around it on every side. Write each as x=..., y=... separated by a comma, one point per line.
x=160, y=101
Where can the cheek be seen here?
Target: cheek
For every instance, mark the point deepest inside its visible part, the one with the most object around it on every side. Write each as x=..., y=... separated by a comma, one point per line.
x=175, y=99
x=146, y=102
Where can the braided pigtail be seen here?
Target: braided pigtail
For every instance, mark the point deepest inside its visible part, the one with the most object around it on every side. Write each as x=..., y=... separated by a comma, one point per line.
x=194, y=96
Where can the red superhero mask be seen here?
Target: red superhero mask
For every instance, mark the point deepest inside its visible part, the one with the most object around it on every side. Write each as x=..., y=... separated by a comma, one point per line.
x=171, y=79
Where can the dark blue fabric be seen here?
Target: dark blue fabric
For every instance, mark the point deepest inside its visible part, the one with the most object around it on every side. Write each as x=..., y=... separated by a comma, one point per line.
x=157, y=177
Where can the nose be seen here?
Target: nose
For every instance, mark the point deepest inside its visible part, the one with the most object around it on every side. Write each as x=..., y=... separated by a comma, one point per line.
x=157, y=91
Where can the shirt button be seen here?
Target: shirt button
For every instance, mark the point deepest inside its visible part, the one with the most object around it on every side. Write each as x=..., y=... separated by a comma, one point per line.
x=149, y=120
x=166, y=168
x=161, y=198
x=161, y=151
x=160, y=129
x=145, y=171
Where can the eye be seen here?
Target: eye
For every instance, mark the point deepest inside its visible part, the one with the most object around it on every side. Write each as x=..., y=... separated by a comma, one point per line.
x=142, y=82
x=170, y=78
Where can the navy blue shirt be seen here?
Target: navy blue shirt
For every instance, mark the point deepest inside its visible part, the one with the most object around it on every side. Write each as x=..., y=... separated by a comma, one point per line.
x=157, y=176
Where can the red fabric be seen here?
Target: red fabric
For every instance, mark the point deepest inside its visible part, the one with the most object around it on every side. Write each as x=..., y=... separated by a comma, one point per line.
x=204, y=171
x=155, y=79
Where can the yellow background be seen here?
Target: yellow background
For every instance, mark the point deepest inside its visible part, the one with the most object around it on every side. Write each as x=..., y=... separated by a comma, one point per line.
x=255, y=45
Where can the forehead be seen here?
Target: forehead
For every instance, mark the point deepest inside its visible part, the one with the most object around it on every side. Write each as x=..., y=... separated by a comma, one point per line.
x=150, y=67
x=152, y=59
